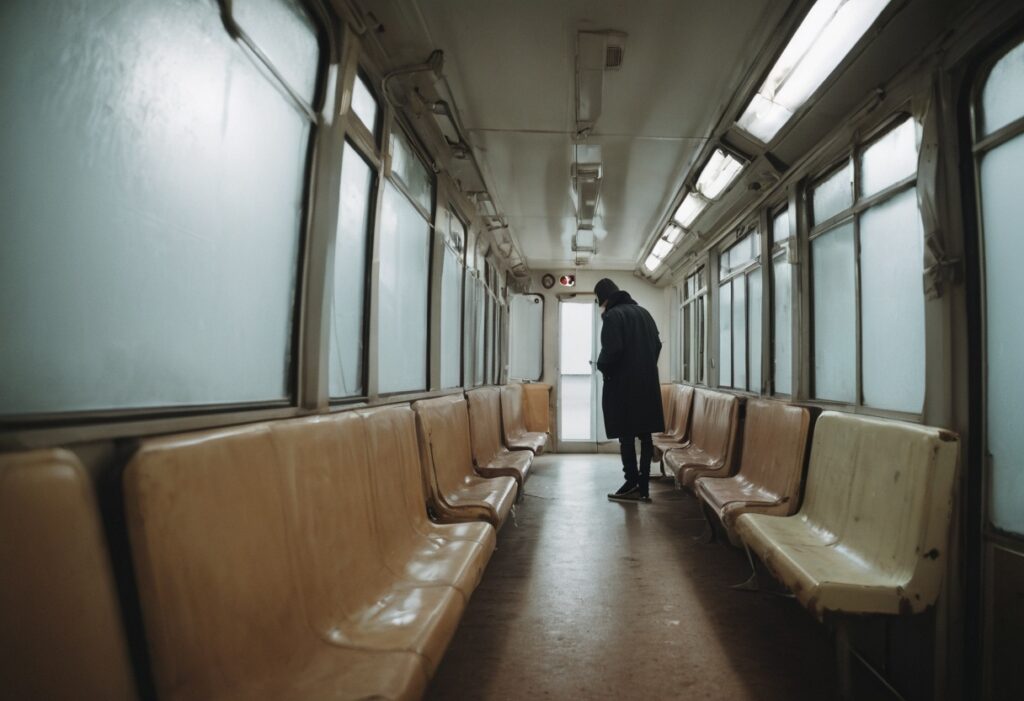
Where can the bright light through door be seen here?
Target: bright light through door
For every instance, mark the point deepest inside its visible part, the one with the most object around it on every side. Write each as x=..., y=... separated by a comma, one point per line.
x=576, y=381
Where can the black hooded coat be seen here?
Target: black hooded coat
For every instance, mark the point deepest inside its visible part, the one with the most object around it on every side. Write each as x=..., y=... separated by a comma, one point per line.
x=630, y=346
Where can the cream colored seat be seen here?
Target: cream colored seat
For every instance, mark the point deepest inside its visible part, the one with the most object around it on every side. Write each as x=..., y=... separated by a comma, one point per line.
x=457, y=492
x=676, y=434
x=872, y=533
x=668, y=396
x=712, y=439
x=61, y=634
x=537, y=407
x=514, y=422
x=415, y=547
x=491, y=458
x=775, y=442
x=231, y=609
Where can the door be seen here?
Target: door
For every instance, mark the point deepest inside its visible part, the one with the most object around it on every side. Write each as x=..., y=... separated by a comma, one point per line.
x=580, y=420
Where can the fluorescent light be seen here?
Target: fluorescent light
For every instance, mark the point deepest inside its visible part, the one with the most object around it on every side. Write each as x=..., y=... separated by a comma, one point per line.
x=672, y=233
x=718, y=174
x=824, y=38
x=652, y=262
x=691, y=207
x=662, y=248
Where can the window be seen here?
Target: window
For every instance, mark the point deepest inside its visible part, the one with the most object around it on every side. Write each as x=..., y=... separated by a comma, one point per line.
x=739, y=315
x=869, y=348
x=348, y=299
x=137, y=289
x=694, y=321
x=526, y=335
x=782, y=305
x=364, y=104
x=404, y=274
x=999, y=159
x=452, y=274
x=827, y=34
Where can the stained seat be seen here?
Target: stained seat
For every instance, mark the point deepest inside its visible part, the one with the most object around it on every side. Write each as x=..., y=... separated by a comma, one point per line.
x=775, y=442
x=872, y=533
x=514, y=422
x=457, y=492
x=712, y=439
x=61, y=632
x=491, y=458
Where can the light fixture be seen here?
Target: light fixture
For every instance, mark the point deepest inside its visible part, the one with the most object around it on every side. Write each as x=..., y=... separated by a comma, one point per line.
x=662, y=248
x=827, y=34
x=584, y=241
x=689, y=209
x=652, y=262
x=672, y=233
x=719, y=172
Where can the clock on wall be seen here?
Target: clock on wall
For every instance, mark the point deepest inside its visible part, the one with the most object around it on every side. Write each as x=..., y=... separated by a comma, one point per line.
x=548, y=281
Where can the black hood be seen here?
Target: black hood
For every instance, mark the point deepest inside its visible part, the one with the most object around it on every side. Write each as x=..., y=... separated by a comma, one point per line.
x=619, y=297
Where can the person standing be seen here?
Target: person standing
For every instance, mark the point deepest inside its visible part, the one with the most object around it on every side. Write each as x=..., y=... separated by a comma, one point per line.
x=630, y=346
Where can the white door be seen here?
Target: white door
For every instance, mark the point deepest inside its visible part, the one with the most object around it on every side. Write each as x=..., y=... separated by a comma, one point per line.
x=580, y=420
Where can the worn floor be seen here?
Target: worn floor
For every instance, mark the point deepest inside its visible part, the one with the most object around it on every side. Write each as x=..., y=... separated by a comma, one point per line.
x=592, y=599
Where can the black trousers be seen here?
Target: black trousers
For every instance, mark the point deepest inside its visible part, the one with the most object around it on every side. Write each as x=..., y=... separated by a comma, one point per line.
x=641, y=473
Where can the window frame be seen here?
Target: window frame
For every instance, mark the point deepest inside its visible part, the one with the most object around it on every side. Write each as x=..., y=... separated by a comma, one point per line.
x=751, y=228
x=776, y=249
x=694, y=354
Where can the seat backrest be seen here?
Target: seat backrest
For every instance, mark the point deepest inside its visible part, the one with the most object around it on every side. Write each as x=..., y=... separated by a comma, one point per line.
x=682, y=403
x=668, y=402
x=330, y=511
x=536, y=407
x=485, y=423
x=212, y=560
x=61, y=635
x=774, y=446
x=397, y=474
x=714, y=422
x=512, y=418
x=443, y=425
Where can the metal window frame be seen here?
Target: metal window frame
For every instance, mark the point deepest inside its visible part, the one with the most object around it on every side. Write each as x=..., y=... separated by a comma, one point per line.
x=751, y=228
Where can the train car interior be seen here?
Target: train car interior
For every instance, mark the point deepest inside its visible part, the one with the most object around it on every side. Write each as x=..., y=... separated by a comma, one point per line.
x=329, y=328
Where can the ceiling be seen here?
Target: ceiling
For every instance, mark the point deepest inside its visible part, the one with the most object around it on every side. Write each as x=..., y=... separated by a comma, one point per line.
x=511, y=69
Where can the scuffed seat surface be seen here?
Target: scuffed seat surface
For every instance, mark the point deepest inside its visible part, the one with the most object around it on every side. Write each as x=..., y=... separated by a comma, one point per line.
x=492, y=459
x=713, y=438
x=513, y=419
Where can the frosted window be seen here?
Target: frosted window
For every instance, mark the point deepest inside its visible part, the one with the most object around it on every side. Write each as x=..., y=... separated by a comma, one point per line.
x=402, y=322
x=284, y=31
x=892, y=305
x=890, y=159
x=364, y=105
x=479, y=332
x=725, y=335
x=409, y=169
x=451, y=319
x=833, y=195
x=577, y=338
x=780, y=227
x=1002, y=181
x=754, y=323
x=739, y=334
x=783, y=320
x=575, y=408
x=469, y=331
x=346, y=342
x=151, y=211
x=1002, y=100
x=835, y=326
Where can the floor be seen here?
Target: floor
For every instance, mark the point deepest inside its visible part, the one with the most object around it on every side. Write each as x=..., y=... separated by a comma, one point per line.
x=591, y=599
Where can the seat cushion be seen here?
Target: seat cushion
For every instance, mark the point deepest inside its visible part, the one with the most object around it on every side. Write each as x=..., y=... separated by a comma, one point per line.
x=690, y=459
x=729, y=497
x=532, y=441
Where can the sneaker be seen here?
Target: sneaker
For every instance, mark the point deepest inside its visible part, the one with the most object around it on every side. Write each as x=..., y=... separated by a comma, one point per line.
x=633, y=496
x=628, y=487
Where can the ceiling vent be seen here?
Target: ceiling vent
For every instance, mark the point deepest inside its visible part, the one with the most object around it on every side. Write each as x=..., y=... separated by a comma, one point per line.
x=614, y=50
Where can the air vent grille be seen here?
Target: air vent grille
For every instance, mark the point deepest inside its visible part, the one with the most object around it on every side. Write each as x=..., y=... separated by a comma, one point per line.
x=613, y=57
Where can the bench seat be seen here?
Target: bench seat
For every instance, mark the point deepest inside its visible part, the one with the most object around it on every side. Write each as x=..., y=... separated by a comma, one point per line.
x=457, y=492
x=713, y=438
x=491, y=458
x=61, y=632
x=775, y=442
x=513, y=422
x=871, y=535
x=677, y=433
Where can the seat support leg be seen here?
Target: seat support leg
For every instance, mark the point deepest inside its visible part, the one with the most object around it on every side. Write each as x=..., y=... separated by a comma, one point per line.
x=709, y=535
x=751, y=583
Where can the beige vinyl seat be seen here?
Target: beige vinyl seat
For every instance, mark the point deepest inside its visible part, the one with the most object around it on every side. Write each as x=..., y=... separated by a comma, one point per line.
x=712, y=439
x=872, y=534
x=419, y=549
x=491, y=458
x=677, y=427
x=775, y=442
x=61, y=634
x=457, y=492
x=537, y=407
x=513, y=422
x=668, y=395
x=258, y=577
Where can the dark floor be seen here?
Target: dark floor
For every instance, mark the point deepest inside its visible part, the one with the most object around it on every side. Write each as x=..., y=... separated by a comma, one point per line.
x=592, y=599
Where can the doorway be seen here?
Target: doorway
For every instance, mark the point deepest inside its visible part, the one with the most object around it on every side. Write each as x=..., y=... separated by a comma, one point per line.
x=580, y=419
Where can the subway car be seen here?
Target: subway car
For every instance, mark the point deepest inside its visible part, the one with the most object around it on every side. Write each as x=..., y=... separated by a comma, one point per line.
x=309, y=389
